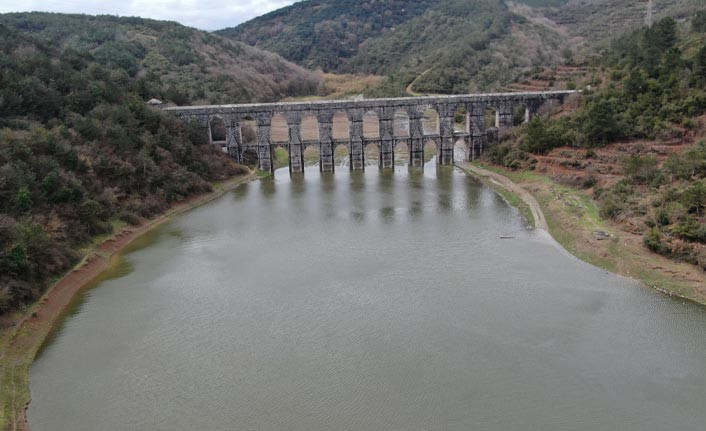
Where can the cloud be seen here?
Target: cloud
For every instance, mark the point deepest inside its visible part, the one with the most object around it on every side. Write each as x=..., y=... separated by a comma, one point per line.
x=203, y=14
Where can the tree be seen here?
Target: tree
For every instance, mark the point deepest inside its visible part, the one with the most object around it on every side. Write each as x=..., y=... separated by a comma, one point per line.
x=641, y=169
x=635, y=84
x=541, y=136
x=175, y=94
x=663, y=35
x=700, y=65
x=23, y=200
x=698, y=22
x=601, y=123
x=694, y=197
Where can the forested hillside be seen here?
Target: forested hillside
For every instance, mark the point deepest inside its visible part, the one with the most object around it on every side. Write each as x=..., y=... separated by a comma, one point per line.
x=325, y=33
x=601, y=21
x=460, y=46
x=169, y=61
x=80, y=151
x=640, y=135
x=447, y=46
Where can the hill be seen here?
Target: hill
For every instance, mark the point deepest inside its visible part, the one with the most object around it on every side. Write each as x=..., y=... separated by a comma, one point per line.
x=446, y=46
x=601, y=21
x=170, y=62
x=636, y=143
x=325, y=33
x=476, y=51
x=80, y=152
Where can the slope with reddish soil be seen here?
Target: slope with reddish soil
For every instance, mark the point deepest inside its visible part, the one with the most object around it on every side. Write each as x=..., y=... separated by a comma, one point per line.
x=573, y=166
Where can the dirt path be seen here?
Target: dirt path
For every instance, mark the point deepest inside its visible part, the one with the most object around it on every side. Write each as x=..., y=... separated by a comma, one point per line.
x=540, y=221
x=20, y=343
x=410, y=87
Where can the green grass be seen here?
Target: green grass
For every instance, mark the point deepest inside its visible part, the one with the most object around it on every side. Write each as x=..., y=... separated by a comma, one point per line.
x=15, y=389
x=311, y=158
x=564, y=235
x=281, y=158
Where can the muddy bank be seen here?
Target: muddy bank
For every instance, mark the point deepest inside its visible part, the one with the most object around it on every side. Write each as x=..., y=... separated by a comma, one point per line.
x=502, y=181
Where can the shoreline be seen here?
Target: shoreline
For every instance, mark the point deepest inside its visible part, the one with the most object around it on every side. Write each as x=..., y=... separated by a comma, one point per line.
x=533, y=213
x=572, y=219
x=33, y=326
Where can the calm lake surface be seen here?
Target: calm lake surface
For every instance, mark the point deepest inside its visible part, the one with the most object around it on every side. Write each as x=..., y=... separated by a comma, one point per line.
x=368, y=301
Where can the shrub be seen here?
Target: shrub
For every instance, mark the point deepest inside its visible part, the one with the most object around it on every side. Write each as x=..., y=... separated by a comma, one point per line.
x=130, y=218
x=601, y=123
x=540, y=136
x=694, y=197
x=701, y=259
x=589, y=182
x=700, y=65
x=690, y=164
x=507, y=155
x=675, y=212
x=611, y=207
x=691, y=230
x=23, y=200
x=653, y=241
x=641, y=169
x=662, y=217
x=698, y=22
x=5, y=299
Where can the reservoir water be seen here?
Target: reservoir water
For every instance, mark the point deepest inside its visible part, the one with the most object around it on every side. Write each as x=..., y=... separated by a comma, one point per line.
x=368, y=301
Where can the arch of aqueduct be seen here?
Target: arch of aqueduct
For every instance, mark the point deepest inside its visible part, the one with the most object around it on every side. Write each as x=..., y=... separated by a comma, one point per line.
x=473, y=106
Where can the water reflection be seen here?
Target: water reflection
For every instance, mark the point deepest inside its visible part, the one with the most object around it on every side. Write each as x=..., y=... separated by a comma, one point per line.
x=298, y=207
x=329, y=207
x=473, y=194
x=444, y=187
x=415, y=196
x=267, y=187
x=386, y=195
x=335, y=191
x=358, y=196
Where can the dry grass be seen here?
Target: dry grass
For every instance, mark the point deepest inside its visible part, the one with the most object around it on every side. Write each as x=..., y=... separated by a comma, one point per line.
x=341, y=86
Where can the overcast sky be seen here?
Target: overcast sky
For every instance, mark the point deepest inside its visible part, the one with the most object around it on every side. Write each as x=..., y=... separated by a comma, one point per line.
x=203, y=14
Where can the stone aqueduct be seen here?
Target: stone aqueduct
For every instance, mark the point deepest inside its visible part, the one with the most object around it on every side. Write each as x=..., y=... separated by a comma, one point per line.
x=473, y=106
